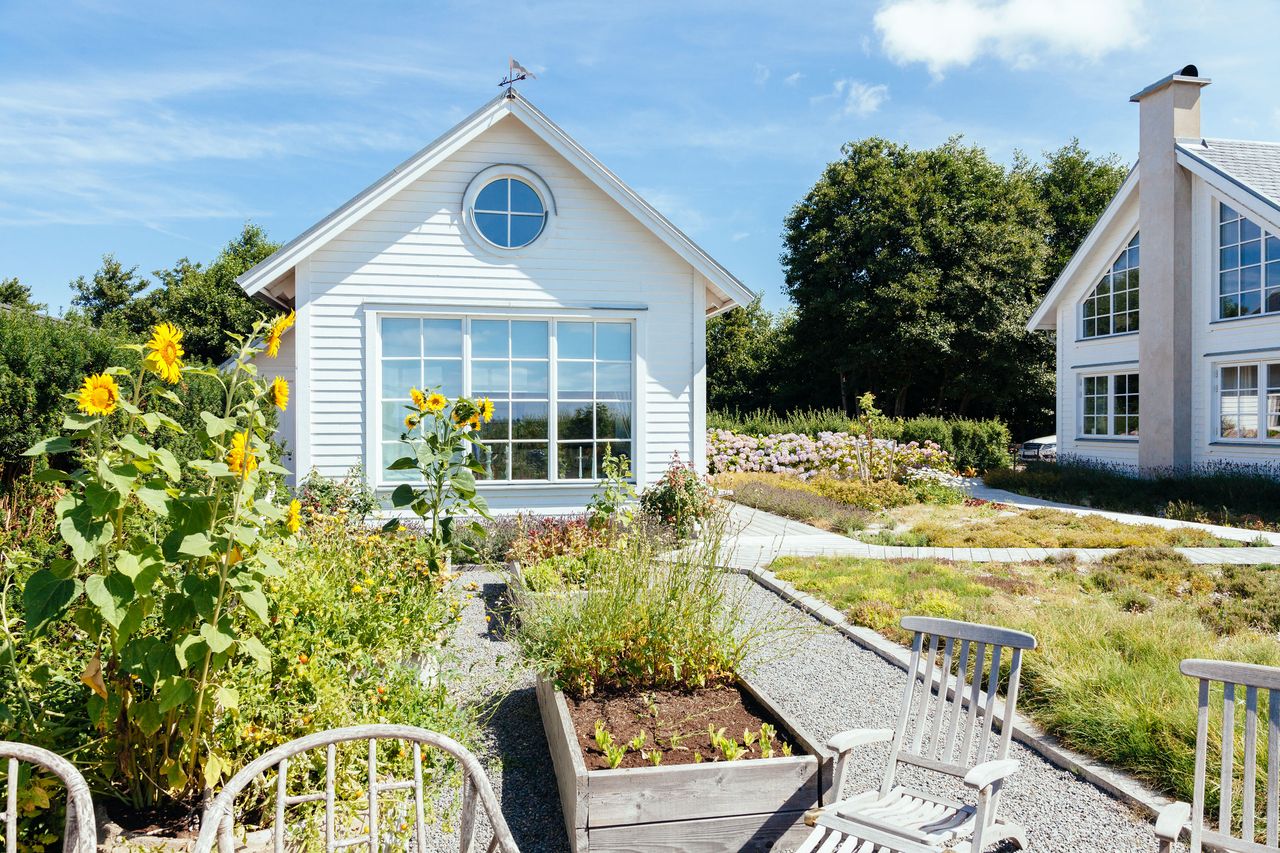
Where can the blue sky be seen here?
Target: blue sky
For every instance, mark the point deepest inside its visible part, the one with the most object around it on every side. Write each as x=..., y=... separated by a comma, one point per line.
x=154, y=130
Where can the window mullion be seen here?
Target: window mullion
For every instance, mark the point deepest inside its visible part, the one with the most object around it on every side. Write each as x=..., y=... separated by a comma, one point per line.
x=553, y=402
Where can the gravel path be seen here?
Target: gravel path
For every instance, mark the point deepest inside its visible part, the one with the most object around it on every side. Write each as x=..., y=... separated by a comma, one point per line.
x=826, y=681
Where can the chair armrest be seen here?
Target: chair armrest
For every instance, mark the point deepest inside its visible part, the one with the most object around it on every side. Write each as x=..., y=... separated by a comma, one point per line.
x=853, y=738
x=1171, y=820
x=987, y=773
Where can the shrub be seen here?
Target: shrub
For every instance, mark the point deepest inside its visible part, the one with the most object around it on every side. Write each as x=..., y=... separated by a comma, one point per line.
x=834, y=454
x=921, y=430
x=1223, y=494
x=682, y=498
x=564, y=571
x=932, y=486
x=865, y=494
x=351, y=497
x=539, y=539
x=493, y=544
x=653, y=620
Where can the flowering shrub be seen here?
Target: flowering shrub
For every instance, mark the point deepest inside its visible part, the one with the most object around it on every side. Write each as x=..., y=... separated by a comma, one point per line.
x=681, y=498
x=839, y=454
x=936, y=487
x=350, y=497
x=544, y=538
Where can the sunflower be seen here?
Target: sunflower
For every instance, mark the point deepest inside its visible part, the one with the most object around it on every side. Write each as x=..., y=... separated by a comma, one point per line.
x=419, y=399
x=279, y=326
x=99, y=395
x=240, y=458
x=293, y=520
x=280, y=392
x=486, y=409
x=436, y=402
x=410, y=421
x=166, y=352
x=474, y=421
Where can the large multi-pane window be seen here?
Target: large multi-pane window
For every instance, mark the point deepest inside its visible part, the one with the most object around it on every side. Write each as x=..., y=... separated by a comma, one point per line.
x=561, y=389
x=1249, y=401
x=1248, y=266
x=1109, y=405
x=1111, y=308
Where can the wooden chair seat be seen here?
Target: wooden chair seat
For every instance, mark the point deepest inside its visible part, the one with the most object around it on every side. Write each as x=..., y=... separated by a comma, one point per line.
x=907, y=819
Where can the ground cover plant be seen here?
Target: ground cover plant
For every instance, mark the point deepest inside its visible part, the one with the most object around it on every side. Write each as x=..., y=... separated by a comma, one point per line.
x=1104, y=677
x=979, y=524
x=1236, y=496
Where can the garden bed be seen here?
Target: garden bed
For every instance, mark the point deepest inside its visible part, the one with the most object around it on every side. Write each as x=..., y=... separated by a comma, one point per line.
x=747, y=804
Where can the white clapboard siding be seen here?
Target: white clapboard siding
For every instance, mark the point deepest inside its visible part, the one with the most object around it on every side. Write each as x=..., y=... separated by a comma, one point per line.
x=412, y=252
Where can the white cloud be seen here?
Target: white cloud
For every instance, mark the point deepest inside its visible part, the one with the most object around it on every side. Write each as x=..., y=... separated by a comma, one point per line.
x=792, y=78
x=949, y=33
x=739, y=236
x=761, y=74
x=855, y=98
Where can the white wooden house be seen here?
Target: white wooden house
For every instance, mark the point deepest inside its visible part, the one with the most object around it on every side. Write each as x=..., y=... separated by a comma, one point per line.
x=502, y=260
x=1168, y=315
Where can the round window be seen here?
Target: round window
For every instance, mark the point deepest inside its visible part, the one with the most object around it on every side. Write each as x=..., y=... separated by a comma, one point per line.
x=509, y=213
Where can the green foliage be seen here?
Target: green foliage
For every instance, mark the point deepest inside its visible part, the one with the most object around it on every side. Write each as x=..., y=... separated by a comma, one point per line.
x=612, y=499
x=163, y=581
x=40, y=359
x=351, y=497
x=793, y=498
x=681, y=498
x=15, y=294
x=1237, y=496
x=865, y=494
x=445, y=449
x=653, y=619
x=538, y=539
x=996, y=526
x=747, y=357
x=565, y=571
x=767, y=422
x=105, y=300
x=1075, y=188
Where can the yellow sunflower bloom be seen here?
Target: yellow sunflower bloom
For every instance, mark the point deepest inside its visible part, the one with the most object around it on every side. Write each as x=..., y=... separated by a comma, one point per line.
x=410, y=421
x=240, y=458
x=474, y=421
x=280, y=393
x=436, y=402
x=99, y=395
x=293, y=520
x=279, y=326
x=165, y=352
x=419, y=399
x=486, y=409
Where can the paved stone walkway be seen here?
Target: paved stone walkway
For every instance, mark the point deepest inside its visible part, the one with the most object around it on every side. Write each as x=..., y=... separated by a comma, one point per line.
x=761, y=537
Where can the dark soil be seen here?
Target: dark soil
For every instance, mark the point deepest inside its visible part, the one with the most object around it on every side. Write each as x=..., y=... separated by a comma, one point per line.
x=170, y=821
x=674, y=723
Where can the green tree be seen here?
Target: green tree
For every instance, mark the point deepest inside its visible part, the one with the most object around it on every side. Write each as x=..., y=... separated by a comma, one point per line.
x=105, y=299
x=15, y=294
x=205, y=302
x=1075, y=188
x=744, y=351
x=912, y=273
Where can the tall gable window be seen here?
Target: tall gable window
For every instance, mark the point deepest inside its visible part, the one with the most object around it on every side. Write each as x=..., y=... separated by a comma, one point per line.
x=1248, y=267
x=1112, y=307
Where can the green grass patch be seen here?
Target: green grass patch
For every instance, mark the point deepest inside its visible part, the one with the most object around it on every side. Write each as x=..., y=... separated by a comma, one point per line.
x=1105, y=676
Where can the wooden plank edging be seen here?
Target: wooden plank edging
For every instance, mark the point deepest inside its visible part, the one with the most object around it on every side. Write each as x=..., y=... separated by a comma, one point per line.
x=1118, y=783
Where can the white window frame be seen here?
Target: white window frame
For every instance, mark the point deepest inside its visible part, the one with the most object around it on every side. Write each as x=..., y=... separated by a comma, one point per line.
x=372, y=399
x=1267, y=237
x=487, y=176
x=1268, y=386
x=1109, y=276
x=1109, y=419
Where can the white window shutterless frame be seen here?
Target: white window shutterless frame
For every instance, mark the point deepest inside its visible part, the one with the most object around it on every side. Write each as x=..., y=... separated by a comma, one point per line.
x=596, y=405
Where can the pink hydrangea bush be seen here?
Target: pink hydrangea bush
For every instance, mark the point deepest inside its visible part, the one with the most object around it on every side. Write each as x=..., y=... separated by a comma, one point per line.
x=838, y=454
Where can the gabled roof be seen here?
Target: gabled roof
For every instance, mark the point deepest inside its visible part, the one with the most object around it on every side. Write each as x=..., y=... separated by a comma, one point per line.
x=1252, y=166
x=1043, y=317
x=514, y=104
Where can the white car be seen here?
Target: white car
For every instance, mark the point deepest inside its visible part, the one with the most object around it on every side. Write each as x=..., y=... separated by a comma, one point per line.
x=1043, y=449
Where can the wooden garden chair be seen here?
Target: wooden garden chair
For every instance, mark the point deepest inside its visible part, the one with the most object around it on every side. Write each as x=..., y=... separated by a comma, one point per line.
x=944, y=733
x=80, y=834
x=216, y=826
x=1177, y=817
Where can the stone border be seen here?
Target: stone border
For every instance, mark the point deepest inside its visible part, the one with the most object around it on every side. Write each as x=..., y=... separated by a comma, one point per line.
x=1119, y=784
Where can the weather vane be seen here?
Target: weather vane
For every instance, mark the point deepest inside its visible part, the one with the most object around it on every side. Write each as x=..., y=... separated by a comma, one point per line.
x=515, y=73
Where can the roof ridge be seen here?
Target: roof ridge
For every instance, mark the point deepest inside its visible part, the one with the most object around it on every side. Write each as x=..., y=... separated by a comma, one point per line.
x=1200, y=140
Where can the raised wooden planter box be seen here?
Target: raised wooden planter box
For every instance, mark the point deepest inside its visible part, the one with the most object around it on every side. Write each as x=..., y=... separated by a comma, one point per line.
x=712, y=807
x=524, y=598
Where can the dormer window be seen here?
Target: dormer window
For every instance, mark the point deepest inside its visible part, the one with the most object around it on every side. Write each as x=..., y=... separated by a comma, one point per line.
x=1248, y=267
x=1111, y=308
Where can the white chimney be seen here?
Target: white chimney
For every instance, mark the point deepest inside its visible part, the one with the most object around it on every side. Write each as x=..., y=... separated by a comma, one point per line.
x=1168, y=110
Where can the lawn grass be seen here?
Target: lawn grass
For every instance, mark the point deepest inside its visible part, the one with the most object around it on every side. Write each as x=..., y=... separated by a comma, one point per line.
x=1105, y=676
x=996, y=526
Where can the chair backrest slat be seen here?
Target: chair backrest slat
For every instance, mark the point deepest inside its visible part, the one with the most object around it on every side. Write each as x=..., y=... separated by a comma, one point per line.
x=476, y=788
x=1254, y=680
x=80, y=834
x=935, y=730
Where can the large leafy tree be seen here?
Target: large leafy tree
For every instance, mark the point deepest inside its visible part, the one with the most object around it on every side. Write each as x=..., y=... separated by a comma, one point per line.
x=15, y=294
x=744, y=351
x=912, y=272
x=106, y=299
x=1075, y=187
